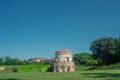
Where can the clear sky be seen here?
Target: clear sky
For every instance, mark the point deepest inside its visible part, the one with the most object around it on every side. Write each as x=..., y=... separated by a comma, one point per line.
x=37, y=28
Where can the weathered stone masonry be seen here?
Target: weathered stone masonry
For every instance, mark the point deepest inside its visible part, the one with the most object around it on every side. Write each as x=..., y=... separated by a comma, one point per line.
x=63, y=61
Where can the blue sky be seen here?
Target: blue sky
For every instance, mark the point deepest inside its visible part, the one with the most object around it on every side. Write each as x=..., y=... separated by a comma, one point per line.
x=37, y=28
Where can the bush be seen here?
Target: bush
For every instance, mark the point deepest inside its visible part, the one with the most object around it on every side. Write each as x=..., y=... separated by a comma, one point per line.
x=50, y=68
x=43, y=69
x=103, y=68
x=8, y=68
x=35, y=68
x=92, y=62
x=15, y=69
x=12, y=68
x=77, y=63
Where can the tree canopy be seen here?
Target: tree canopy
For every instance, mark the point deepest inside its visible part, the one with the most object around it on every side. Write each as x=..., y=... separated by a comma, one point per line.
x=106, y=49
x=82, y=58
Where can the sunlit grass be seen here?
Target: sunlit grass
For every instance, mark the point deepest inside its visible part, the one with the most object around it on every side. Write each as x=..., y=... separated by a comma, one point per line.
x=78, y=75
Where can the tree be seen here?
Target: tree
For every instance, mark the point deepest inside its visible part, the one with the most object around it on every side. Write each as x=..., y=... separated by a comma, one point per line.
x=117, y=43
x=15, y=61
x=7, y=60
x=24, y=62
x=11, y=61
x=82, y=58
x=47, y=62
x=1, y=61
x=104, y=49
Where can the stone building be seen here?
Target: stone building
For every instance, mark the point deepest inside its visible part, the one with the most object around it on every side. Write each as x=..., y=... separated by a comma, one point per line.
x=63, y=61
x=37, y=59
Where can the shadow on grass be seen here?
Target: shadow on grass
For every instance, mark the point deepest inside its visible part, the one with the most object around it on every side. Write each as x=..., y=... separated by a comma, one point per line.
x=9, y=79
x=102, y=75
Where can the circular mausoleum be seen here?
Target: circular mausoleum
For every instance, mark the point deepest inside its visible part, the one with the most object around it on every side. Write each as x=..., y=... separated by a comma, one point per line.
x=62, y=52
x=63, y=61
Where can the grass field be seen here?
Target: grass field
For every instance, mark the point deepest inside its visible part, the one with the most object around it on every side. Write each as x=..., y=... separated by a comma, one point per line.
x=78, y=75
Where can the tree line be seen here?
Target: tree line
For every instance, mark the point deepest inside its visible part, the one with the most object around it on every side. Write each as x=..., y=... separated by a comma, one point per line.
x=15, y=61
x=105, y=51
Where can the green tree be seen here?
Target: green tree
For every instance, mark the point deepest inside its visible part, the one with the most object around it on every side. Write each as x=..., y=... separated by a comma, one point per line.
x=24, y=62
x=1, y=61
x=82, y=58
x=117, y=43
x=104, y=49
x=11, y=61
x=7, y=60
x=15, y=61
x=47, y=62
x=92, y=62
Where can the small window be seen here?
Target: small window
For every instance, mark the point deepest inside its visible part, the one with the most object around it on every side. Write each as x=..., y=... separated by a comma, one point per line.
x=67, y=58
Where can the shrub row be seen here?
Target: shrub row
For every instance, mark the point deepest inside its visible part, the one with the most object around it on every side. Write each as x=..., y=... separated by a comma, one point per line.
x=105, y=67
x=12, y=68
x=27, y=68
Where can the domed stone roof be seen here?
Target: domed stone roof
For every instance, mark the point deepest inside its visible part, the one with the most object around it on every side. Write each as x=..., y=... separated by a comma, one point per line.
x=63, y=51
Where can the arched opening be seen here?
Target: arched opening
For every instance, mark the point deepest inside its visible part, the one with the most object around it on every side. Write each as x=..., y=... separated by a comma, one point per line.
x=68, y=69
x=67, y=58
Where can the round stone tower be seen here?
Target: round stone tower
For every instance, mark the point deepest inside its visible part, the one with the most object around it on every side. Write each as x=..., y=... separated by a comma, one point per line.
x=63, y=61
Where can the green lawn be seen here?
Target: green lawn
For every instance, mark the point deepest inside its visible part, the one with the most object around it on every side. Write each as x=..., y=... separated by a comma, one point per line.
x=78, y=75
